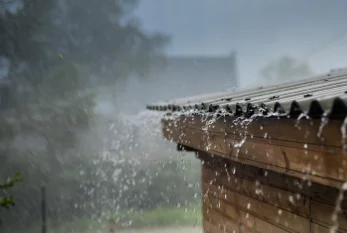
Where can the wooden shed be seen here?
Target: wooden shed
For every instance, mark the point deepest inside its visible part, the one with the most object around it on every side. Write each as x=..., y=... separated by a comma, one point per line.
x=273, y=159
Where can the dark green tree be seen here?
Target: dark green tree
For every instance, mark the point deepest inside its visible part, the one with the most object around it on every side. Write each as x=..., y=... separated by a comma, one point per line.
x=7, y=201
x=105, y=36
x=53, y=47
x=19, y=30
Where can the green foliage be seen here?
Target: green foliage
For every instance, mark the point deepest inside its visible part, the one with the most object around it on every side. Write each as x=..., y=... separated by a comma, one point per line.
x=11, y=182
x=103, y=38
x=8, y=201
x=53, y=50
x=160, y=217
x=286, y=68
x=18, y=30
x=157, y=217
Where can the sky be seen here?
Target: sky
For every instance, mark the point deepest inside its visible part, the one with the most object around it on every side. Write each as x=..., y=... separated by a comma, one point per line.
x=259, y=30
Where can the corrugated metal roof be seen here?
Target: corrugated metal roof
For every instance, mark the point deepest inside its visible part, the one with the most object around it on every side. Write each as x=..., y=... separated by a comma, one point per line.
x=325, y=94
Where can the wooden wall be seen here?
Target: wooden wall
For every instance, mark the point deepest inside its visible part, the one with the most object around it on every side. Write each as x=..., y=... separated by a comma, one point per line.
x=243, y=198
x=268, y=175
x=306, y=149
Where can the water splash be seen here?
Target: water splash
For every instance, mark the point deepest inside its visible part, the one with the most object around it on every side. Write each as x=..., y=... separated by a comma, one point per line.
x=343, y=135
x=337, y=210
x=324, y=122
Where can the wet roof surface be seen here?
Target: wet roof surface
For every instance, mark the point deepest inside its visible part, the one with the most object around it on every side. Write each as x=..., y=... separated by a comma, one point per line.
x=325, y=94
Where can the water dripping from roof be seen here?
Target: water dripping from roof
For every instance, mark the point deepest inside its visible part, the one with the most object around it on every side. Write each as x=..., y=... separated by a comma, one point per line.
x=343, y=134
x=324, y=122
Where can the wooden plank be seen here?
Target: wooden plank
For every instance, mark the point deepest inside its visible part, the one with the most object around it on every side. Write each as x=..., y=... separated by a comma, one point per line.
x=232, y=170
x=219, y=220
x=170, y=125
x=253, y=155
x=315, y=228
x=300, y=175
x=208, y=227
x=175, y=128
x=211, y=123
x=323, y=213
x=310, y=131
x=248, y=220
x=171, y=130
x=210, y=142
x=316, y=163
x=262, y=210
x=303, y=131
x=289, y=201
x=318, y=228
x=323, y=165
x=233, y=226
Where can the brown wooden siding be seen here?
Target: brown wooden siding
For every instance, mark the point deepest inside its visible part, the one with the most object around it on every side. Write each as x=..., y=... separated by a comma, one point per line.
x=242, y=198
x=303, y=148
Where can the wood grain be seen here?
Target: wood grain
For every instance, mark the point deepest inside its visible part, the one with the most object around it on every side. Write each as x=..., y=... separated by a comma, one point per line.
x=314, y=160
x=237, y=196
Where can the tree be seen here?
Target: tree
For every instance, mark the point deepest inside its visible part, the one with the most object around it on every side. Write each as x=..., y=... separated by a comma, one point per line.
x=285, y=68
x=52, y=47
x=19, y=23
x=104, y=36
x=7, y=201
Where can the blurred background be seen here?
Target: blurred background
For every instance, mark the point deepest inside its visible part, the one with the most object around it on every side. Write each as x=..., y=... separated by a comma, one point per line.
x=75, y=77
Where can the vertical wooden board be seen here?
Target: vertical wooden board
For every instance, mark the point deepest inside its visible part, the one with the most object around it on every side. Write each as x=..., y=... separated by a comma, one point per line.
x=322, y=212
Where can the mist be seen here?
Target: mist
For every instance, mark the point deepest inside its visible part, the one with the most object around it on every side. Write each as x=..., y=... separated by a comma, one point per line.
x=75, y=79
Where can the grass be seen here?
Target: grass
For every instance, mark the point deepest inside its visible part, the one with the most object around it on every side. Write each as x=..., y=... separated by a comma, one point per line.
x=159, y=217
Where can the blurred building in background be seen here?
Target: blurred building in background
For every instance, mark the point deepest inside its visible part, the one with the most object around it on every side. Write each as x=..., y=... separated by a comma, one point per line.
x=180, y=76
x=195, y=75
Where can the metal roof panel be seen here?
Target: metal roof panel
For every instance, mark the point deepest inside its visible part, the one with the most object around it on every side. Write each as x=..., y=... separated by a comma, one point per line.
x=325, y=94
